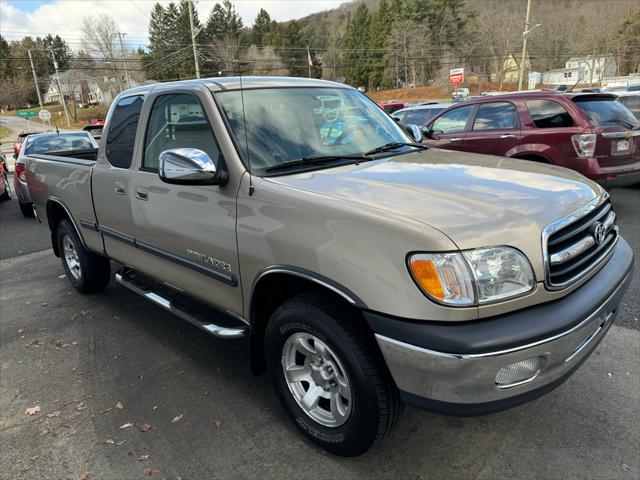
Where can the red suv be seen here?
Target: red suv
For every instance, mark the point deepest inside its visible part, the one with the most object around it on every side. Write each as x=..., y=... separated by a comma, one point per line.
x=587, y=132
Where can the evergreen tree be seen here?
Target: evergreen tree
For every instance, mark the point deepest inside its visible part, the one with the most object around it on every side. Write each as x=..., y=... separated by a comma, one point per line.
x=379, y=30
x=356, y=39
x=261, y=27
x=223, y=20
x=61, y=50
x=5, y=59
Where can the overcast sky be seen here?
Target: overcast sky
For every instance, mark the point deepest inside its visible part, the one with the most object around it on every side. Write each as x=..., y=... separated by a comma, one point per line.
x=19, y=18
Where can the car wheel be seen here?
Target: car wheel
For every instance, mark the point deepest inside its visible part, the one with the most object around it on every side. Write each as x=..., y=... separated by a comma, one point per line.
x=87, y=271
x=26, y=209
x=329, y=376
x=6, y=195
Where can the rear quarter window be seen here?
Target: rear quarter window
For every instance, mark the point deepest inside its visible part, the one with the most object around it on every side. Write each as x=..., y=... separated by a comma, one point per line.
x=121, y=135
x=549, y=114
x=606, y=111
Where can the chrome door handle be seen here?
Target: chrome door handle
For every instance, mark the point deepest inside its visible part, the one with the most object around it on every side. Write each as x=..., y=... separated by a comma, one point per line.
x=142, y=194
x=456, y=139
x=507, y=135
x=119, y=189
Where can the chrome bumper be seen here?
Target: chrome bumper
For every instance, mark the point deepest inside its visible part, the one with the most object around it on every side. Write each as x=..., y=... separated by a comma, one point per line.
x=470, y=379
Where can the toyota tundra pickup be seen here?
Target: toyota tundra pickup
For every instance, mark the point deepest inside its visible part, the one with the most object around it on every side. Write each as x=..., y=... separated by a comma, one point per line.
x=367, y=270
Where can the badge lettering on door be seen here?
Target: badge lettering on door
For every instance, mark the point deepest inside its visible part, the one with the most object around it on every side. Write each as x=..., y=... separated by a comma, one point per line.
x=210, y=260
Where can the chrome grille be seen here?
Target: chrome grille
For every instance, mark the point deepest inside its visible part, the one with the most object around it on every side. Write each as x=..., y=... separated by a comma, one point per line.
x=579, y=243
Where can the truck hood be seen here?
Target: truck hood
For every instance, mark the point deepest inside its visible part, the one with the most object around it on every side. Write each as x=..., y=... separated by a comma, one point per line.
x=476, y=200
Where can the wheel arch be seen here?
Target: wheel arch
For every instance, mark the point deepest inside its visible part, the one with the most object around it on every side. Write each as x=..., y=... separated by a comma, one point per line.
x=275, y=285
x=56, y=212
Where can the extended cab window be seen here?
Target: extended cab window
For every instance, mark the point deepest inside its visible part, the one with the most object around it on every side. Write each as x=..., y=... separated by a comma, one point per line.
x=177, y=121
x=496, y=116
x=453, y=121
x=549, y=114
x=122, y=131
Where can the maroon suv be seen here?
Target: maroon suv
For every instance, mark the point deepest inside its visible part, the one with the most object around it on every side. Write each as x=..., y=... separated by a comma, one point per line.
x=587, y=132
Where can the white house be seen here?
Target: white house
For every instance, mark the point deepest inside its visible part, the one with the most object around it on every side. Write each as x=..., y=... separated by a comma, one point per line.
x=84, y=89
x=582, y=71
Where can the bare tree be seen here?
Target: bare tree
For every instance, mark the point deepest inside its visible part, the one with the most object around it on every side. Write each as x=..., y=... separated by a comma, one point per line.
x=99, y=38
x=226, y=53
x=264, y=61
x=16, y=92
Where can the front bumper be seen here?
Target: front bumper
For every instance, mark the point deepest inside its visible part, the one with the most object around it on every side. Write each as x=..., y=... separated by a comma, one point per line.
x=451, y=368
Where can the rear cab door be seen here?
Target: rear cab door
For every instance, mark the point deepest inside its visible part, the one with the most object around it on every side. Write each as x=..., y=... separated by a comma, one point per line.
x=495, y=129
x=448, y=129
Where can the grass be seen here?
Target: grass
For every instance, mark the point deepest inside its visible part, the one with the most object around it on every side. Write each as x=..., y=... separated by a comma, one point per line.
x=4, y=132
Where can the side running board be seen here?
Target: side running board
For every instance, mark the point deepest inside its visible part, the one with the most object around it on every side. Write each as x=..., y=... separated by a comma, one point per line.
x=216, y=323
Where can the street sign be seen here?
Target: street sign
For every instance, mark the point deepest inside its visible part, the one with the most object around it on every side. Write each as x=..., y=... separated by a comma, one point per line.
x=29, y=113
x=45, y=115
x=456, y=75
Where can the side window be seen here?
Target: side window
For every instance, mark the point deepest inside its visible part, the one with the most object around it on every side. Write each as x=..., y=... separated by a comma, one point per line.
x=549, y=114
x=418, y=117
x=453, y=121
x=121, y=135
x=177, y=121
x=496, y=116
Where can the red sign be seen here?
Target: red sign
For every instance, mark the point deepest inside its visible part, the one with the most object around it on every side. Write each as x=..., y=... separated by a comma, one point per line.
x=456, y=75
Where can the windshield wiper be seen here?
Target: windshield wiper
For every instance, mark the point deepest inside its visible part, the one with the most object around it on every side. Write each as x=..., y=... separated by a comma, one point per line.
x=393, y=145
x=318, y=160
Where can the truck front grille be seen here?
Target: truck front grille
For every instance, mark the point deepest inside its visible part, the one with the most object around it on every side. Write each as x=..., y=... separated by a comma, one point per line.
x=579, y=243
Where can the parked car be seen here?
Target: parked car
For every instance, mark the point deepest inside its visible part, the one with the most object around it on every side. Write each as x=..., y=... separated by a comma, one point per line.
x=75, y=142
x=631, y=100
x=419, y=114
x=392, y=106
x=590, y=133
x=366, y=269
x=94, y=127
x=21, y=137
x=5, y=189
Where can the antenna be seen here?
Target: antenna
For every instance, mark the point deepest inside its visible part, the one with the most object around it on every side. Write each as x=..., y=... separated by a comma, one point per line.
x=246, y=135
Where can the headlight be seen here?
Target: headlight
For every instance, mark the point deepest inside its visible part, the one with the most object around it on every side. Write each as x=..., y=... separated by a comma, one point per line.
x=473, y=277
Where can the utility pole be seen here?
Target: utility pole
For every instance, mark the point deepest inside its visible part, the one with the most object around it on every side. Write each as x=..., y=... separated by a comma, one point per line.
x=35, y=79
x=524, y=45
x=62, y=100
x=124, y=61
x=193, y=39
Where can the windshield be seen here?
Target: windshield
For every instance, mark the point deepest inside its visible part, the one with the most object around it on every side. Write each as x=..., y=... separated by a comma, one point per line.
x=287, y=124
x=606, y=111
x=57, y=142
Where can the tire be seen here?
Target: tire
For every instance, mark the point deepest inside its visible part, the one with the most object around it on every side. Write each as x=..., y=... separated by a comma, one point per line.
x=7, y=191
x=87, y=271
x=26, y=209
x=375, y=406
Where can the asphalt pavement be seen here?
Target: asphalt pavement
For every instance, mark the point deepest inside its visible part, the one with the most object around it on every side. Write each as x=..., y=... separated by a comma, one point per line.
x=120, y=389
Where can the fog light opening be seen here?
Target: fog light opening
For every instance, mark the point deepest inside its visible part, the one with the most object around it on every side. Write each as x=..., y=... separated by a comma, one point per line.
x=520, y=372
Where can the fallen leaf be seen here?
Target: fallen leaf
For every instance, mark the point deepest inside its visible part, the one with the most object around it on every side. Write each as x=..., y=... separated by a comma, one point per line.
x=625, y=467
x=150, y=471
x=126, y=425
x=21, y=330
x=119, y=406
x=53, y=414
x=84, y=476
x=48, y=430
x=58, y=343
x=34, y=457
x=81, y=406
x=32, y=410
x=143, y=457
x=57, y=400
x=108, y=441
x=24, y=469
x=217, y=422
x=177, y=419
x=145, y=427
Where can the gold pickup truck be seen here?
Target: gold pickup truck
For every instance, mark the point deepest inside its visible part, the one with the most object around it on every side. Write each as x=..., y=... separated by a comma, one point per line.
x=367, y=270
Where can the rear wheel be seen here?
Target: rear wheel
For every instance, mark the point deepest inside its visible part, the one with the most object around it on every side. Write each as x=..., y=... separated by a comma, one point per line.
x=87, y=271
x=26, y=209
x=329, y=376
x=6, y=195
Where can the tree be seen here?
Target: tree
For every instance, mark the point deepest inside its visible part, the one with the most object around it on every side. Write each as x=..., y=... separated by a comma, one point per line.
x=629, y=34
x=61, y=50
x=17, y=92
x=356, y=39
x=264, y=61
x=99, y=37
x=5, y=59
x=262, y=25
x=379, y=30
x=223, y=20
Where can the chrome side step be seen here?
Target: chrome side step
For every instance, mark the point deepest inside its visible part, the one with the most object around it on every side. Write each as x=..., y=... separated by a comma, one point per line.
x=198, y=317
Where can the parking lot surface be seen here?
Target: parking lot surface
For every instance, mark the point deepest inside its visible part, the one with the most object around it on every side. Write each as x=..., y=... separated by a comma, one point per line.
x=118, y=388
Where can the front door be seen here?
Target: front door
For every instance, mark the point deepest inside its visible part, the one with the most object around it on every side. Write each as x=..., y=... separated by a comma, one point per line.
x=185, y=233
x=495, y=130
x=448, y=130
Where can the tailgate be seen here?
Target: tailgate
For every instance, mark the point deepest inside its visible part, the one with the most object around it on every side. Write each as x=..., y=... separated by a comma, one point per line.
x=617, y=147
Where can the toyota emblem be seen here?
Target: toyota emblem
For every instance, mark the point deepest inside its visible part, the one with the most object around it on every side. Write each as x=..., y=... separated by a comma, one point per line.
x=599, y=233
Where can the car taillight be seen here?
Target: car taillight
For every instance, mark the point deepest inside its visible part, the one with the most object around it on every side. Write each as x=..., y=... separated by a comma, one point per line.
x=19, y=171
x=16, y=148
x=584, y=144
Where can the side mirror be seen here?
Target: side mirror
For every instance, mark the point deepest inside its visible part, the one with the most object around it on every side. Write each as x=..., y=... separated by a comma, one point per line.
x=189, y=166
x=415, y=132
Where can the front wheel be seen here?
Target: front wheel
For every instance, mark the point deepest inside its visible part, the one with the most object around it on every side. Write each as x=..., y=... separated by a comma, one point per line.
x=26, y=209
x=87, y=271
x=329, y=376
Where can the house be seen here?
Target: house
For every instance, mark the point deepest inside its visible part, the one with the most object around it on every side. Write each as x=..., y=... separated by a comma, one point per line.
x=510, y=69
x=587, y=70
x=84, y=89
